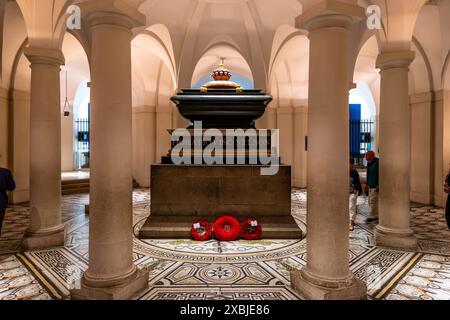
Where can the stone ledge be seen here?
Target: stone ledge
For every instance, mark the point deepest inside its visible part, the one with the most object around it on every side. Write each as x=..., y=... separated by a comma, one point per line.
x=179, y=227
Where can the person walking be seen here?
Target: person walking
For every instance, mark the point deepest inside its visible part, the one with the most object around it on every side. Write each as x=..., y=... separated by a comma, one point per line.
x=355, y=192
x=6, y=184
x=447, y=190
x=373, y=184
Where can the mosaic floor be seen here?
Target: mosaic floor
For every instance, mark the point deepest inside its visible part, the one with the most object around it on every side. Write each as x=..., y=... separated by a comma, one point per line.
x=187, y=270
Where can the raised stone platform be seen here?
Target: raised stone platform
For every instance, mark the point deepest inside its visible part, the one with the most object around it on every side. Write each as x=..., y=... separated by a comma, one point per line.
x=183, y=194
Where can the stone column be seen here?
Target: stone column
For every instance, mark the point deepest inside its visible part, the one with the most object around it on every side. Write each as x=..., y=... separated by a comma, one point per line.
x=46, y=228
x=327, y=274
x=395, y=152
x=112, y=274
x=300, y=154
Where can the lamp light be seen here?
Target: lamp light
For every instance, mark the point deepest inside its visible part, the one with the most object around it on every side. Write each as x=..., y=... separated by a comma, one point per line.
x=67, y=105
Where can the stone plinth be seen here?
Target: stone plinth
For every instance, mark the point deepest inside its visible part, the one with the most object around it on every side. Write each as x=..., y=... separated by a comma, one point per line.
x=181, y=195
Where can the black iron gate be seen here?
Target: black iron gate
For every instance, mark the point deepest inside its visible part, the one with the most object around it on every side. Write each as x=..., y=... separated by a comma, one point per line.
x=82, y=144
x=360, y=139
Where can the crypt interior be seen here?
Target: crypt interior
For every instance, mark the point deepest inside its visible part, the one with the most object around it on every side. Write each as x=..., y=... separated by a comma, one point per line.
x=85, y=114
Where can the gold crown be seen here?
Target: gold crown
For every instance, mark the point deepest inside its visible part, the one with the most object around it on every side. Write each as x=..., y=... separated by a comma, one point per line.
x=221, y=73
x=221, y=78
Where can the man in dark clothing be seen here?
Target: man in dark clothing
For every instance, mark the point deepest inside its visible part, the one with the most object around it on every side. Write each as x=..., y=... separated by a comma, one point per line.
x=373, y=184
x=355, y=192
x=447, y=190
x=6, y=184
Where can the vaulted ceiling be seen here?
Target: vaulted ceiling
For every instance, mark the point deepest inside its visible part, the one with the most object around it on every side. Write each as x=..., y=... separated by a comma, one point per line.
x=183, y=39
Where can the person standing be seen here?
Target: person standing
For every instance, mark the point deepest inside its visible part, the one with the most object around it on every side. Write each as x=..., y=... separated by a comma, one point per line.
x=355, y=192
x=6, y=184
x=373, y=184
x=447, y=207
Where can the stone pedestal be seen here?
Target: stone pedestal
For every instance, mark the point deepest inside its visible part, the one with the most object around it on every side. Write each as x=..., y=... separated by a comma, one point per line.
x=352, y=290
x=395, y=153
x=42, y=239
x=181, y=195
x=136, y=282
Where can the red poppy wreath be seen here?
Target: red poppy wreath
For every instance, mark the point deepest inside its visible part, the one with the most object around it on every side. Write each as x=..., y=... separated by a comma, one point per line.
x=227, y=229
x=251, y=229
x=201, y=231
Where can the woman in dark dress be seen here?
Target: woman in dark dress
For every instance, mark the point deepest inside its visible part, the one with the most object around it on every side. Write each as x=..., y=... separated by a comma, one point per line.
x=447, y=190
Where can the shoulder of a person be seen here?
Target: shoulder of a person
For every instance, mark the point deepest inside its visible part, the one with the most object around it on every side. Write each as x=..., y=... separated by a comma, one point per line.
x=5, y=171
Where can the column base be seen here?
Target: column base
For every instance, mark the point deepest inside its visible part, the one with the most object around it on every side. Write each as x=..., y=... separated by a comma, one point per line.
x=395, y=239
x=124, y=291
x=43, y=239
x=356, y=290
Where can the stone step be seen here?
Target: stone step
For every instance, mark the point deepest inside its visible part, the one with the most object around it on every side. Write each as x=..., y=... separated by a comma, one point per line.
x=75, y=185
x=75, y=191
x=180, y=227
x=73, y=181
x=79, y=186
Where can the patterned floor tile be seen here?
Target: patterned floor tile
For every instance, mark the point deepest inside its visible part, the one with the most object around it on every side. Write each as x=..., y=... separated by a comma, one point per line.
x=259, y=270
x=429, y=279
x=212, y=293
x=19, y=283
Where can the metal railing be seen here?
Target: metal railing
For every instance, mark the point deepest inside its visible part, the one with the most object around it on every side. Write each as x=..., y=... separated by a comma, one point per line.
x=360, y=139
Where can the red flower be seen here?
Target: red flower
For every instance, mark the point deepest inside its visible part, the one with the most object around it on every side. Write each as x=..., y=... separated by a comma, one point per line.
x=201, y=231
x=251, y=229
x=227, y=229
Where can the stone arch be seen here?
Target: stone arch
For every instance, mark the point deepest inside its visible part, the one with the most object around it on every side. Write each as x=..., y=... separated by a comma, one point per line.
x=234, y=60
x=398, y=22
x=290, y=68
x=188, y=68
x=446, y=73
x=365, y=67
x=421, y=64
x=46, y=27
x=148, y=51
x=154, y=81
x=15, y=34
x=77, y=69
x=288, y=78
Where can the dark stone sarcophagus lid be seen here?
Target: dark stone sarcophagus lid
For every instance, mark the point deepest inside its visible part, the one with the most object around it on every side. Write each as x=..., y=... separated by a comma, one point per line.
x=222, y=104
x=222, y=108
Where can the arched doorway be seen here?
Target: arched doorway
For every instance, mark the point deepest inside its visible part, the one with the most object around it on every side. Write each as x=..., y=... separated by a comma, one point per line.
x=81, y=127
x=362, y=122
x=75, y=99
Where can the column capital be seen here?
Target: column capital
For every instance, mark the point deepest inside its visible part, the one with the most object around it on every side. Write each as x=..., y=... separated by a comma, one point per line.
x=390, y=60
x=330, y=14
x=112, y=12
x=44, y=56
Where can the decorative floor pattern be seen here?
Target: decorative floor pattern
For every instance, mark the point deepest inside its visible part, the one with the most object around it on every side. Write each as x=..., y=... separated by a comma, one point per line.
x=242, y=270
x=18, y=283
x=429, y=279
